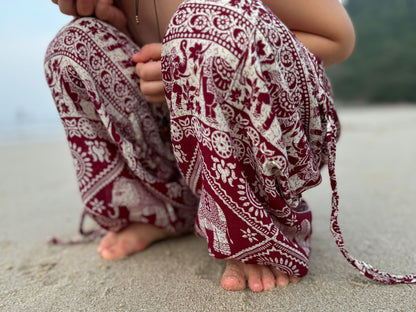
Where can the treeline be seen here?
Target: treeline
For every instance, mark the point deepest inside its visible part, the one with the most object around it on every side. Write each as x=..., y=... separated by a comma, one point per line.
x=383, y=65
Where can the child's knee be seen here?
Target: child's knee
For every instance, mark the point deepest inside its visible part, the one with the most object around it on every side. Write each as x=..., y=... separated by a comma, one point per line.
x=90, y=42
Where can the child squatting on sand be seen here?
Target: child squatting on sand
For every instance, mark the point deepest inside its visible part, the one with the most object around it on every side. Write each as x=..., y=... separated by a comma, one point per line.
x=218, y=131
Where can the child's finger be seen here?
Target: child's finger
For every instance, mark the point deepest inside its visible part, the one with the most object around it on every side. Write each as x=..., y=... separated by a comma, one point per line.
x=151, y=71
x=151, y=51
x=68, y=7
x=85, y=7
x=152, y=88
x=108, y=12
x=155, y=99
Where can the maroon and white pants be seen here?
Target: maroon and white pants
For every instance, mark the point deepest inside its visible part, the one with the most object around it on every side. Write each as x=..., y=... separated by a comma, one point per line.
x=251, y=120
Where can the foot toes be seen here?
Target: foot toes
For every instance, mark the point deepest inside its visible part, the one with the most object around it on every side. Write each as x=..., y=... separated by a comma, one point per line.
x=134, y=238
x=232, y=283
x=113, y=254
x=233, y=277
x=294, y=279
x=269, y=280
x=106, y=242
x=255, y=283
x=259, y=277
x=255, y=275
x=105, y=249
x=282, y=280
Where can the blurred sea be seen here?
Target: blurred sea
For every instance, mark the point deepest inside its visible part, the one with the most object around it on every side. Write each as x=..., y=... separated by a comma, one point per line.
x=27, y=111
x=30, y=132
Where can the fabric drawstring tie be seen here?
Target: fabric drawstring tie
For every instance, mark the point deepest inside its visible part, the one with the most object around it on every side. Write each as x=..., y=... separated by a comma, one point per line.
x=364, y=268
x=87, y=236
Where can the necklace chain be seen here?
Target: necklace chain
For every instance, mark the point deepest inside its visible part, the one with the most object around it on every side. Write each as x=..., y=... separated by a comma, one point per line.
x=157, y=17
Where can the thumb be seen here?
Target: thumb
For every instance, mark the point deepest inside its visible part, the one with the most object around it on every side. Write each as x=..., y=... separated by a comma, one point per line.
x=151, y=51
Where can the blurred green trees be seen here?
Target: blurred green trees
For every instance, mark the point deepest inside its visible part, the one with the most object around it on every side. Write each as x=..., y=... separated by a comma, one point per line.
x=383, y=65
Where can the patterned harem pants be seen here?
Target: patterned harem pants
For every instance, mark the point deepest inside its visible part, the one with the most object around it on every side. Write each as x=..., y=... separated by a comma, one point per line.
x=248, y=108
x=247, y=101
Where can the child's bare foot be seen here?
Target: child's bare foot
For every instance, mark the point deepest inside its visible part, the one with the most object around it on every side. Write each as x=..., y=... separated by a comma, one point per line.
x=259, y=277
x=134, y=238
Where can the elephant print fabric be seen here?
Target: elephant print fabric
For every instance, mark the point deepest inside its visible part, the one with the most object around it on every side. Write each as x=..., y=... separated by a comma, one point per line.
x=253, y=122
x=245, y=100
x=124, y=164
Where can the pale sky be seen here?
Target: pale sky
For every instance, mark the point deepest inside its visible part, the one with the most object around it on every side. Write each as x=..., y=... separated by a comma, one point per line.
x=26, y=27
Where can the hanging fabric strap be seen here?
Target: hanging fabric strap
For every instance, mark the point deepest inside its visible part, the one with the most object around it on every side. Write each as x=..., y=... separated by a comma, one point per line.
x=364, y=268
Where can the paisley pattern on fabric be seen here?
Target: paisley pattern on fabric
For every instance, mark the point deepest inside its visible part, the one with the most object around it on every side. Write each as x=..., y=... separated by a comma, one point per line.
x=245, y=100
x=123, y=161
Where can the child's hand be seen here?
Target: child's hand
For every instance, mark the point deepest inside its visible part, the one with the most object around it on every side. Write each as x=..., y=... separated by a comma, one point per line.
x=149, y=69
x=104, y=10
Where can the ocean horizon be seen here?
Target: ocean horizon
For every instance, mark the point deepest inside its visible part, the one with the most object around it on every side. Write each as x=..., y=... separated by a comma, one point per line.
x=27, y=110
x=34, y=131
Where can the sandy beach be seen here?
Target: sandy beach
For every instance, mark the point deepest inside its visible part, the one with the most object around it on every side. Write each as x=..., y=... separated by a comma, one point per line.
x=376, y=174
